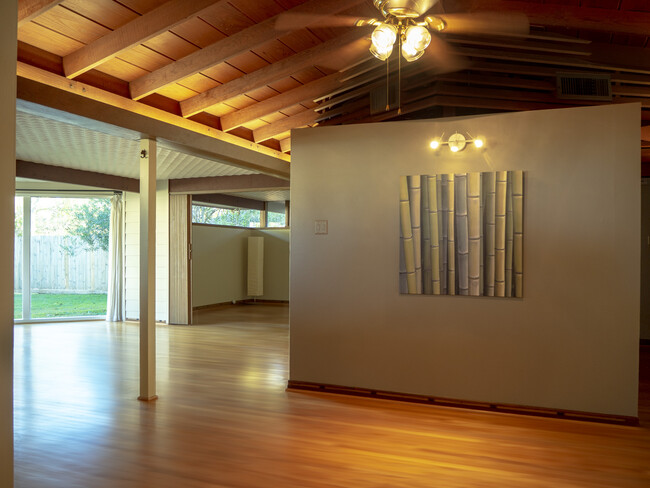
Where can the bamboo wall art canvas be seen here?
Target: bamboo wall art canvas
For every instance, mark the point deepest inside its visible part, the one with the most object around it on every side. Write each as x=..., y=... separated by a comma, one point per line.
x=462, y=234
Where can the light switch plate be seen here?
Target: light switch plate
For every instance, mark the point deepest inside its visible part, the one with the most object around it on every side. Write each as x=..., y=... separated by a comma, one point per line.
x=320, y=226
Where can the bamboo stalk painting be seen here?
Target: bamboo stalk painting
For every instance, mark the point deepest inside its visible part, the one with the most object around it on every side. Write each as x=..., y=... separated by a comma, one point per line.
x=462, y=234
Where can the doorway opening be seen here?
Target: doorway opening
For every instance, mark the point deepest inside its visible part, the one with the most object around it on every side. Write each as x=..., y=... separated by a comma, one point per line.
x=60, y=257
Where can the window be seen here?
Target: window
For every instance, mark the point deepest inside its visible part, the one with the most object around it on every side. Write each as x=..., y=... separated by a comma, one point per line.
x=61, y=257
x=237, y=217
x=275, y=214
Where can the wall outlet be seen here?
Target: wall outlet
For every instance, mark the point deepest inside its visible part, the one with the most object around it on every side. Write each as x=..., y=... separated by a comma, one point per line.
x=320, y=226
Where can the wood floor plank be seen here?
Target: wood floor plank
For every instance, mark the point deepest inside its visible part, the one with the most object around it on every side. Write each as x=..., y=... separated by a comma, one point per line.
x=225, y=419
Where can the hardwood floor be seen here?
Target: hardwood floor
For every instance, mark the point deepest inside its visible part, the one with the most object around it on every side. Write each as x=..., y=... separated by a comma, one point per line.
x=224, y=419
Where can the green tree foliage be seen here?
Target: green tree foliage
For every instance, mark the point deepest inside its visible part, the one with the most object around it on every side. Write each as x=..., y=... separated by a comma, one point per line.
x=90, y=223
x=239, y=217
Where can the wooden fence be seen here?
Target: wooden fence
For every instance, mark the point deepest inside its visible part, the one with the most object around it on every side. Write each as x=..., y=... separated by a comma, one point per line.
x=53, y=270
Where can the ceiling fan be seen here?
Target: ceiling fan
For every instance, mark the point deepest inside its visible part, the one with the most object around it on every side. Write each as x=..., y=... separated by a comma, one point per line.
x=413, y=26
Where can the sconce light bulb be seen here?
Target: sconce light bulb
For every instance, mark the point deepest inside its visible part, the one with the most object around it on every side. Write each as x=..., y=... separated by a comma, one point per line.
x=434, y=144
x=453, y=148
x=479, y=142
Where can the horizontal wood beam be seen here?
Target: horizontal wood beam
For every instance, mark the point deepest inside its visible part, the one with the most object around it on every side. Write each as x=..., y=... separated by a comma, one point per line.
x=28, y=10
x=46, y=172
x=51, y=90
x=231, y=46
x=570, y=16
x=140, y=30
x=306, y=117
x=230, y=201
x=281, y=101
x=273, y=72
x=230, y=184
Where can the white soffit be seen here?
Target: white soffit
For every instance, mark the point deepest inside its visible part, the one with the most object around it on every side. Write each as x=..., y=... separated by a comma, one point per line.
x=62, y=140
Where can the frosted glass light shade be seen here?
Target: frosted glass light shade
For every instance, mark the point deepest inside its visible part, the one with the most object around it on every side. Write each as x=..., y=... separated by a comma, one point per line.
x=416, y=39
x=383, y=39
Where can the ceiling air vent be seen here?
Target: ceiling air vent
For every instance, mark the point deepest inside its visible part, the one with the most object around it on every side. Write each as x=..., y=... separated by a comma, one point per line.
x=584, y=86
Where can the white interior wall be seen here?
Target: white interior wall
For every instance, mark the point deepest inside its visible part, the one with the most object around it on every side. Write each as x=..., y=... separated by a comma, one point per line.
x=219, y=264
x=132, y=253
x=8, y=15
x=571, y=342
x=276, y=263
x=219, y=257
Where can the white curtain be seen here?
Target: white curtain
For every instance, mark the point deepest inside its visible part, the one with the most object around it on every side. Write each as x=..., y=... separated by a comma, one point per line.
x=114, y=312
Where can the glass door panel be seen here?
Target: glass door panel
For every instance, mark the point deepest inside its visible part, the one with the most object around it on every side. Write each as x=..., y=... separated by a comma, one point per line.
x=69, y=256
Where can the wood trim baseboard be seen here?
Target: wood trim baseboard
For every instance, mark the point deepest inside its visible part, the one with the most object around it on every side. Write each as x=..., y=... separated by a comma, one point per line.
x=473, y=405
x=258, y=301
x=216, y=306
x=248, y=301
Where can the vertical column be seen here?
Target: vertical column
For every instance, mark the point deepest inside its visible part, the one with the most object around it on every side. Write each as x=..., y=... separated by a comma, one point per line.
x=147, y=270
x=8, y=16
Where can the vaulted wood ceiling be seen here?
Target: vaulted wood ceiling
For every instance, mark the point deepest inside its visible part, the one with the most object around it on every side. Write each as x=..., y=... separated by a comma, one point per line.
x=221, y=77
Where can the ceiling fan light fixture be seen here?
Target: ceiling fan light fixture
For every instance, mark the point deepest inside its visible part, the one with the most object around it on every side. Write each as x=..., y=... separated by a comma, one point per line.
x=415, y=40
x=417, y=37
x=383, y=39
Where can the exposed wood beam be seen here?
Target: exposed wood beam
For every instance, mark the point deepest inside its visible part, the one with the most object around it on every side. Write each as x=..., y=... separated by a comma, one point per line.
x=138, y=31
x=522, y=44
x=604, y=57
x=225, y=49
x=269, y=74
x=571, y=16
x=45, y=88
x=537, y=70
x=285, y=145
x=473, y=79
x=230, y=184
x=46, y=172
x=30, y=9
x=281, y=101
x=230, y=201
x=301, y=119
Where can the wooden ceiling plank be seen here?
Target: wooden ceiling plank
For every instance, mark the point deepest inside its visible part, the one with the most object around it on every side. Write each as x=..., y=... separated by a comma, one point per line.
x=47, y=40
x=306, y=117
x=231, y=184
x=568, y=16
x=278, y=102
x=28, y=10
x=136, y=32
x=225, y=49
x=45, y=88
x=267, y=75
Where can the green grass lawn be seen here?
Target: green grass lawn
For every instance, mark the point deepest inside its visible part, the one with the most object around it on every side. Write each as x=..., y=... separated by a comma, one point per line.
x=60, y=305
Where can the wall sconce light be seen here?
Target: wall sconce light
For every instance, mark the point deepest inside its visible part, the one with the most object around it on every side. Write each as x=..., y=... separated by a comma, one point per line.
x=457, y=142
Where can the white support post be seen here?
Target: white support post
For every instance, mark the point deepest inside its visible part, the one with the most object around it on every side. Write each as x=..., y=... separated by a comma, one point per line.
x=147, y=270
x=8, y=16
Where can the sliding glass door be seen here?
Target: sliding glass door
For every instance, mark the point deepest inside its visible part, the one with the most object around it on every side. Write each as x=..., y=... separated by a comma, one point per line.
x=61, y=258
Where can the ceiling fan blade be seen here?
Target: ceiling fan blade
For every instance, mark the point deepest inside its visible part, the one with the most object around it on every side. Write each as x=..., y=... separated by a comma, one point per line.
x=493, y=23
x=347, y=57
x=294, y=21
x=442, y=56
